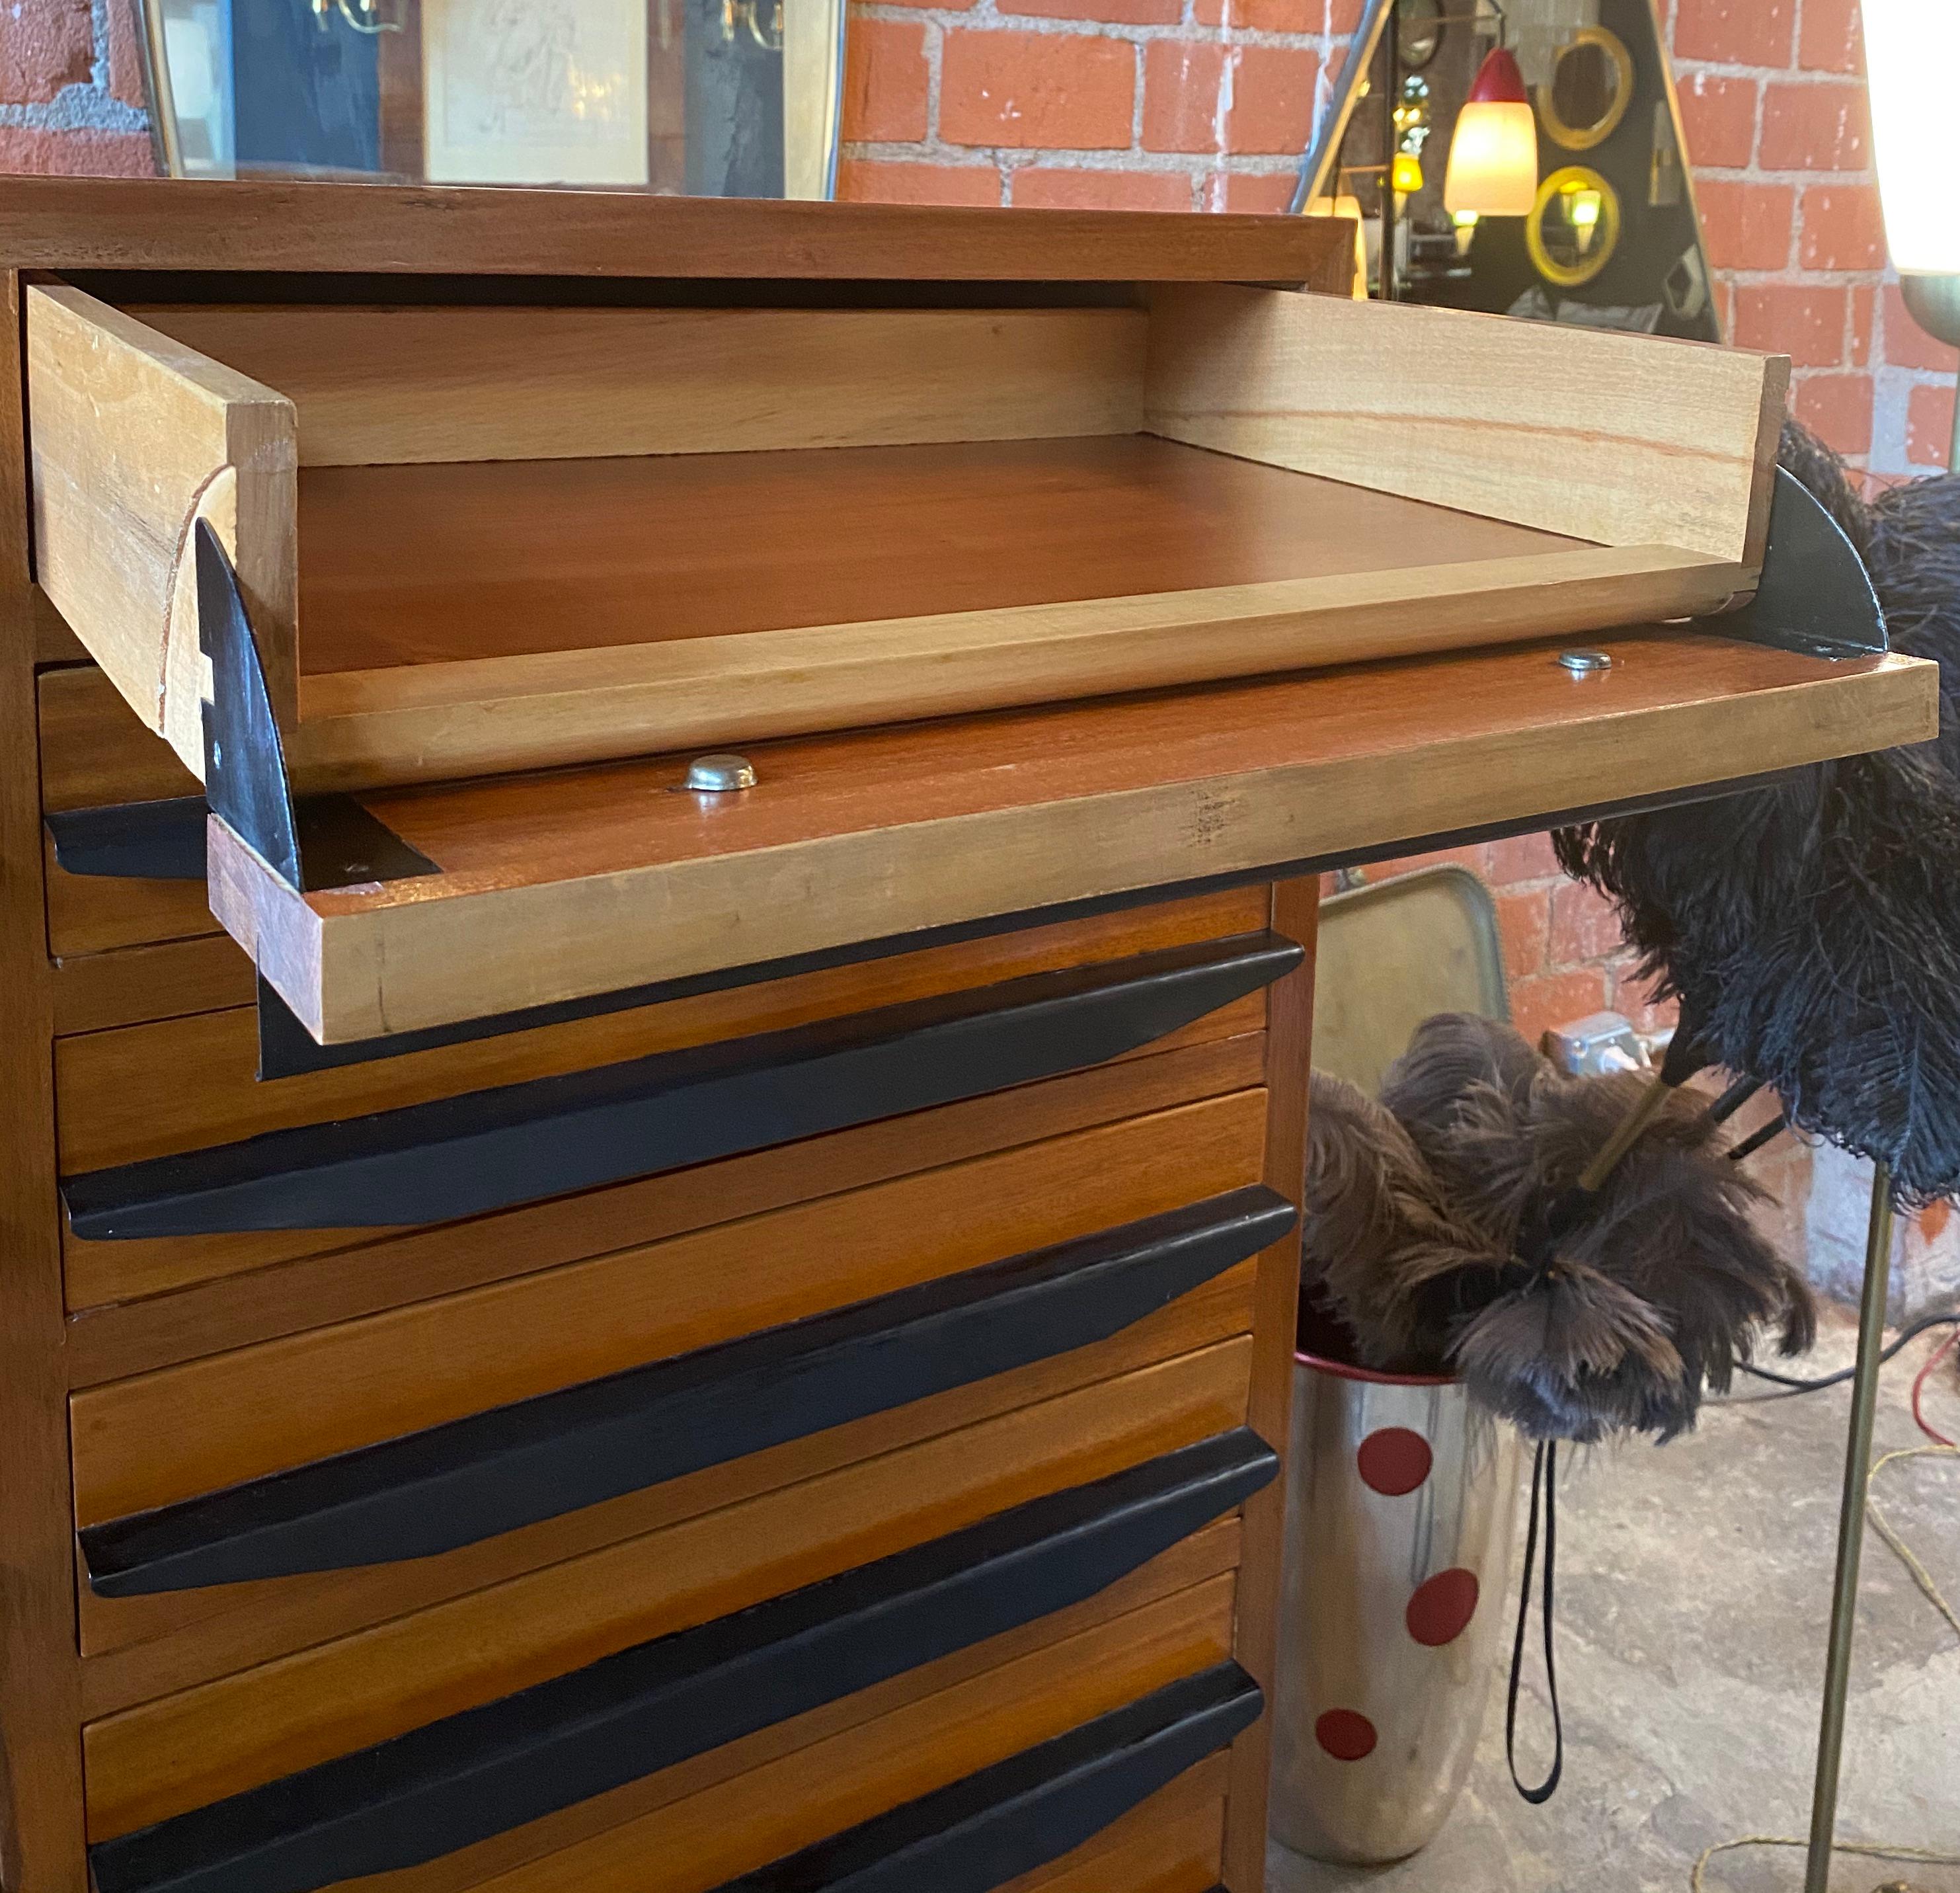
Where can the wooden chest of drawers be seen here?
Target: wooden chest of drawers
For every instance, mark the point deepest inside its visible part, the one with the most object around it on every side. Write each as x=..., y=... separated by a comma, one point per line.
x=678, y=1345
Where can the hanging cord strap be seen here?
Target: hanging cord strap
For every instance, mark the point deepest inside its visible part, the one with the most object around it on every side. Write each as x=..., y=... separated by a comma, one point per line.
x=1544, y=1476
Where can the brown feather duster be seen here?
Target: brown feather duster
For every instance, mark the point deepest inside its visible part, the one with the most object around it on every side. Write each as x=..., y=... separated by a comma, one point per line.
x=1417, y=1209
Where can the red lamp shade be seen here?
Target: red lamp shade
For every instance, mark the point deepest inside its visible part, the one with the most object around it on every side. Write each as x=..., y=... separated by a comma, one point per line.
x=1494, y=151
x=1498, y=81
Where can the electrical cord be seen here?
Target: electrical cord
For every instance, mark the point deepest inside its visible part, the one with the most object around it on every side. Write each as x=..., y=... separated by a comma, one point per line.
x=1919, y=1381
x=1790, y=1384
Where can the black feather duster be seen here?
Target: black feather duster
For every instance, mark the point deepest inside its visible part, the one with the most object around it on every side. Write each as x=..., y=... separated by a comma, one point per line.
x=1812, y=933
x=1416, y=1208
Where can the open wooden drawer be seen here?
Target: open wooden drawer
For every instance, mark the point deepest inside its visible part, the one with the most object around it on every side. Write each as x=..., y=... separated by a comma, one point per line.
x=473, y=539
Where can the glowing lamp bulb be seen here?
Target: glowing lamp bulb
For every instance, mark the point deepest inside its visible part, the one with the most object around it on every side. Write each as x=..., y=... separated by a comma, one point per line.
x=1465, y=222
x=1908, y=43
x=1494, y=149
x=1582, y=211
x=1405, y=173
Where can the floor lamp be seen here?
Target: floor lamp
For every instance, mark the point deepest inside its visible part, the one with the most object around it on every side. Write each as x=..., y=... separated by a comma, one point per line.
x=1904, y=40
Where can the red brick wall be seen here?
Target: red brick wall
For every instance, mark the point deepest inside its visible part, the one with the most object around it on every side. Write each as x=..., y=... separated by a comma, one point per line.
x=1205, y=104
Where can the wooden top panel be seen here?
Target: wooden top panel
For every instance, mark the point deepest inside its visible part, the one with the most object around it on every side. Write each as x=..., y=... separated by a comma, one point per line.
x=426, y=564
x=62, y=223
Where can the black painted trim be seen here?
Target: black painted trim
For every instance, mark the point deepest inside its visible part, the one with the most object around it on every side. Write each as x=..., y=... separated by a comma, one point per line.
x=431, y=1491
x=317, y=843
x=457, y=1781
x=1814, y=596
x=132, y=841
x=1031, y=1809
x=286, y=1049
x=517, y=1143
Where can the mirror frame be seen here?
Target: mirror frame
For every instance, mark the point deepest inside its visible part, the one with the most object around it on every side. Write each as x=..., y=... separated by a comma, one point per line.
x=1572, y=276
x=1586, y=138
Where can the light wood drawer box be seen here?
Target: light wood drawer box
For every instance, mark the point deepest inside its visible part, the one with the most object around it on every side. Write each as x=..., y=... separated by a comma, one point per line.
x=447, y=522
x=990, y=1529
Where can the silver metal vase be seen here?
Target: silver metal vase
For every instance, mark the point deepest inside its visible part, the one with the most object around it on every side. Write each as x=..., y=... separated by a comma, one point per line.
x=1399, y=1512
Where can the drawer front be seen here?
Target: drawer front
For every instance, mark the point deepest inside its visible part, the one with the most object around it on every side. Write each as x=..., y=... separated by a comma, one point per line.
x=711, y=1834
x=1173, y=1842
x=653, y=1707
x=495, y=1148
x=130, y=1095
x=163, y=1438
x=420, y=1494
x=138, y=1649
x=100, y=767
x=738, y=1811
x=164, y=1757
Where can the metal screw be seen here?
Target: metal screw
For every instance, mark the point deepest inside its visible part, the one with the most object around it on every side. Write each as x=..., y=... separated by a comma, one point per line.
x=717, y=775
x=1585, y=663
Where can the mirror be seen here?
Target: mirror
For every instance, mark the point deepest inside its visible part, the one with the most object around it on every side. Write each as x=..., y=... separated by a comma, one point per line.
x=1618, y=247
x=1591, y=85
x=1574, y=227
x=714, y=98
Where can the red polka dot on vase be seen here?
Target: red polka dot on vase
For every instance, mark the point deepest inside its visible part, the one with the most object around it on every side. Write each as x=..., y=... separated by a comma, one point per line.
x=1392, y=1461
x=1346, y=1734
x=1441, y=1610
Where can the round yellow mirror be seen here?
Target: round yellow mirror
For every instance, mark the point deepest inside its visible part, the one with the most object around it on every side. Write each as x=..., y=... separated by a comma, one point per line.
x=1591, y=85
x=1574, y=226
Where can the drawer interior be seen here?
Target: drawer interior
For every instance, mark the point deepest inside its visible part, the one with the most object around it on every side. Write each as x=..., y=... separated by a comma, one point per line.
x=476, y=540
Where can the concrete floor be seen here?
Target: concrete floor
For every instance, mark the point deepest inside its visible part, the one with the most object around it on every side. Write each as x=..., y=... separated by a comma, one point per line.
x=1693, y=1590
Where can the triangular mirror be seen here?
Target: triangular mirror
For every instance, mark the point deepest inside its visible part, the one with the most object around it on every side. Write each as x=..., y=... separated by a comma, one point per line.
x=1584, y=214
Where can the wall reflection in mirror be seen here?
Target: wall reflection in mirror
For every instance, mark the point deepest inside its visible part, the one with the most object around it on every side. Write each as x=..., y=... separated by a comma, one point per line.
x=1525, y=159
x=717, y=98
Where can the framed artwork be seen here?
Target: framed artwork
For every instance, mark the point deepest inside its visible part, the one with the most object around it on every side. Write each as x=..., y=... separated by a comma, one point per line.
x=534, y=91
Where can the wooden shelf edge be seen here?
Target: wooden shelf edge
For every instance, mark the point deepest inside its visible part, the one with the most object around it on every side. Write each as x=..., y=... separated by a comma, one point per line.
x=1489, y=739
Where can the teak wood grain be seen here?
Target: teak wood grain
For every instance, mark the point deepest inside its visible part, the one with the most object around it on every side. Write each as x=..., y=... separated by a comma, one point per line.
x=1207, y=1555
x=591, y=880
x=161, y=979
x=139, y=1649
x=142, y=1305
x=1172, y=1843
x=187, y=1750
x=1296, y=913
x=1626, y=440
x=772, y=1811
x=103, y=224
x=223, y=1419
x=41, y=1840
x=96, y=753
x=380, y=386
x=426, y=566
x=182, y=1084
x=899, y=1711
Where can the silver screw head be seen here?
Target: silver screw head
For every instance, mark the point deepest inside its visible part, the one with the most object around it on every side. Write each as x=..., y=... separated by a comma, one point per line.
x=1585, y=663
x=718, y=775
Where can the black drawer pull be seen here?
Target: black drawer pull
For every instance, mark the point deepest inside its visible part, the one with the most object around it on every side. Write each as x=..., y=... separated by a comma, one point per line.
x=450, y=1485
x=457, y=1781
x=546, y=1136
x=134, y=841
x=1031, y=1809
